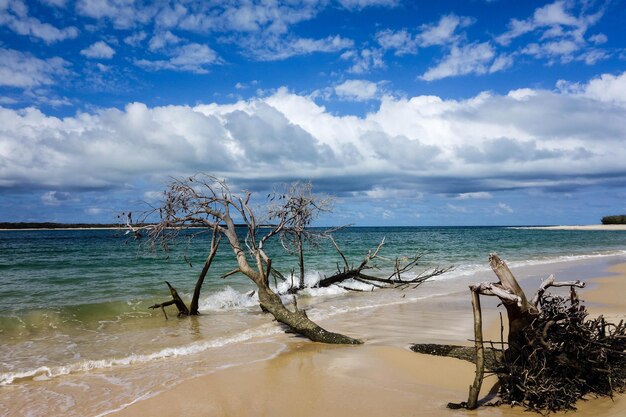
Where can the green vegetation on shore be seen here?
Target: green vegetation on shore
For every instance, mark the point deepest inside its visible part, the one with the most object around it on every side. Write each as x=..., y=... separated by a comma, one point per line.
x=621, y=219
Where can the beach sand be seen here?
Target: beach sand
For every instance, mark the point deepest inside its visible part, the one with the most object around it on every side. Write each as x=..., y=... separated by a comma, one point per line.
x=375, y=379
x=585, y=227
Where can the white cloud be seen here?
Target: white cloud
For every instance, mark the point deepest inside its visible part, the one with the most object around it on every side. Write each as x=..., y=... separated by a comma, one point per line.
x=504, y=209
x=551, y=18
x=15, y=16
x=192, y=57
x=531, y=139
x=401, y=41
x=98, y=50
x=361, y=4
x=477, y=58
x=163, y=39
x=7, y=100
x=56, y=198
x=136, y=38
x=94, y=211
x=123, y=14
x=23, y=70
x=598, y=38
x=55, y=3
x=477, y=195
x=607, y=88
x=443, y=32
x=278, y=48
x=364, y=60
x=559, y=31
x=357, y=90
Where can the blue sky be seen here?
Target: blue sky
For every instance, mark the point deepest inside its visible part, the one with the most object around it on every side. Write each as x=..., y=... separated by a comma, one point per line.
x=468, y=112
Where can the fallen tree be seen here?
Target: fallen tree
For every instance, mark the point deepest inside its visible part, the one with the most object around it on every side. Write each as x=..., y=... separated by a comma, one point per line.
x=553, y=356
x=297, y=207
x=176, y=299
x=395, y=279
x=206, y=201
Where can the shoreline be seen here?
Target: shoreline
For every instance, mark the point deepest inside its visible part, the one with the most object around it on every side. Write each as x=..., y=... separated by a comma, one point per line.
x=309, y=379
x=574, y=227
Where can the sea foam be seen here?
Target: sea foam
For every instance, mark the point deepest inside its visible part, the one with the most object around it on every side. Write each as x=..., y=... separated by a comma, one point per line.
x=47, y=372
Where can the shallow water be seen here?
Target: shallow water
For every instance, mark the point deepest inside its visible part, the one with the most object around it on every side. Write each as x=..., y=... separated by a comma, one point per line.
x=82, y=321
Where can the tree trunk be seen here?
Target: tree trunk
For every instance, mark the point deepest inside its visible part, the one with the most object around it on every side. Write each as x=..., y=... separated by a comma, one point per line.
x=176, y=300
x=520, y=314
x=193, y=308
x=300, y=262
x=472, y=401
x=298, y=321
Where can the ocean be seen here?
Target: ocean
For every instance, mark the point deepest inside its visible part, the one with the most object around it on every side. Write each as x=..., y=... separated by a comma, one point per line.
x=74, y=313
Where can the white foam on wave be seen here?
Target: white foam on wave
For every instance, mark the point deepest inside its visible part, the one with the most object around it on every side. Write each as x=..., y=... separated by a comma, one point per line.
x=311, y=279
x=48, y=372
x=228, y=299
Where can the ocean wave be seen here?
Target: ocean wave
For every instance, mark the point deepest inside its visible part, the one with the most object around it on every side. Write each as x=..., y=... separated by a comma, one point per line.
x=228, y=299
x=43, y=373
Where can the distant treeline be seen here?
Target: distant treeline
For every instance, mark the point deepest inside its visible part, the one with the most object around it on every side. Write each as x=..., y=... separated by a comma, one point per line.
x=51, y=225
x=621, y=219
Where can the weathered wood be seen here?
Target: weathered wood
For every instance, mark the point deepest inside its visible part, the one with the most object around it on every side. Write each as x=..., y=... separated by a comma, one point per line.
x=176, y=300
x=215, y=244
x=464, y=353
x=550, y=282
x=474, y=391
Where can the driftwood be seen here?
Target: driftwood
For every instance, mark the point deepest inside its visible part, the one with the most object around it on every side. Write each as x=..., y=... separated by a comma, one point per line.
x=176, y=300
x=195, y=299
x=395, y=279
x=553, y=356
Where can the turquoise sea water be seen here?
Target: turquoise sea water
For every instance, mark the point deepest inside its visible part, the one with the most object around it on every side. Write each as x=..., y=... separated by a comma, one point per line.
x=74, y=269
x=74, y=303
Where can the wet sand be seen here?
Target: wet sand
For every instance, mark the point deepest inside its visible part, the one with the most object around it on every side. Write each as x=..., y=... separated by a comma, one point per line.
x=380, y=378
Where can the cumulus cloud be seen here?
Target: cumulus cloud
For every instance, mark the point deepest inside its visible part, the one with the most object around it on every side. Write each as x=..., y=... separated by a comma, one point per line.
x=361, y=4
x=559, y=30
x=14, y=15
x=276, y=48
x=442, y=33
x=479, y=195
x=401, y=41
x=471, y=148
x=192, y=57
x=23, y=70
x=163, y=39
x=598, y=38
x=98, y=50
x=357, y=90
x=136, y=38
x=477, y=58
x=504, y=209
x=55, y=198
x=607, y=88
x=364, y=60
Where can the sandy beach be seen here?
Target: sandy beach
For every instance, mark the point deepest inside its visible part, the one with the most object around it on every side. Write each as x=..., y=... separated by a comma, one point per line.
x=378, y=378
x=584, y=227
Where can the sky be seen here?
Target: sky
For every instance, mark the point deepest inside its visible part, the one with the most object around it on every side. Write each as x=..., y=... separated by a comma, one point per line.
x=474, y=112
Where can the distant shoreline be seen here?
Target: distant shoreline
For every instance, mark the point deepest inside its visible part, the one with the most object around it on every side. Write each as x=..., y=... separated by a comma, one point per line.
x=32, y=226
x=57, y=226
x=585, y=227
